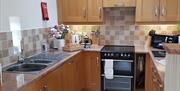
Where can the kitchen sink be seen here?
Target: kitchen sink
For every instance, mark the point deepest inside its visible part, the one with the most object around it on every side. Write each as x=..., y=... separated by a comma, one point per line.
x=41, y=61
x=35, y=63
x=26, y=67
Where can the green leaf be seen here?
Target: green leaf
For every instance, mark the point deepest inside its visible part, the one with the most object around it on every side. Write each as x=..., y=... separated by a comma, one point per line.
x=178, y=27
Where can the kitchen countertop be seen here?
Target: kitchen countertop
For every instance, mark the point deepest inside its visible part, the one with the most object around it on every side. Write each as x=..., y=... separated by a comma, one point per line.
x=15, y=81
x=172, y=48
x=141, y=49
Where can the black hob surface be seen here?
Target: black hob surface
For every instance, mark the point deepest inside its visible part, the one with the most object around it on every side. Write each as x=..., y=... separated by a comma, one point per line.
x=117, y=48
x=117, y=52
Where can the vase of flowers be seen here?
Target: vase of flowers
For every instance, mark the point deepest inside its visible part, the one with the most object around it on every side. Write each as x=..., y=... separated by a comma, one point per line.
x=59, y=33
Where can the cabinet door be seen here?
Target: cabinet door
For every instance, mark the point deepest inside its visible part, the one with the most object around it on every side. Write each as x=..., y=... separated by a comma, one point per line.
x=80, y=72
x=31, y=87
x=69, y=76
x=74, y=10
x=169, y=10
x=95, y=11
x=92, y=71
x=53, y=82
x=147, y=10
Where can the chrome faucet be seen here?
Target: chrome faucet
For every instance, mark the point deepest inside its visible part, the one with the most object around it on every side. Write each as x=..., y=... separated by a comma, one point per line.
x=21, y=56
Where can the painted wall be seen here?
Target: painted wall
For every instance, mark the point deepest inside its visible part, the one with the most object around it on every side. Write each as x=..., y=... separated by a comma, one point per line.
x=28, y=12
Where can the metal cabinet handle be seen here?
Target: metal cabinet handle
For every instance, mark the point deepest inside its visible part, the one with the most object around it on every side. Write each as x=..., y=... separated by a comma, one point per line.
x=163, y=11
x=156, y=11
x=100, y=12
x=160, y=85
x=97, y=60
x=84, y=12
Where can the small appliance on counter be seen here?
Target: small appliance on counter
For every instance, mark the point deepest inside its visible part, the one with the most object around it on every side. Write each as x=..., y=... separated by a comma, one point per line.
x=72, y=43
x=179, y=39
x=86, y=42
x=157, y=40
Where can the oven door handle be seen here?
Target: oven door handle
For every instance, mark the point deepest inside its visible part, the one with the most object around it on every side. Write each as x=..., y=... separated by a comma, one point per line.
x=119, y=76
x=129, y=61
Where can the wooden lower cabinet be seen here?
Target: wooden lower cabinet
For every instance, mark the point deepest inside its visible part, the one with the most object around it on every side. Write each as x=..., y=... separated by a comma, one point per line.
x=152, y=78
x=92, y=62
x=79, y=73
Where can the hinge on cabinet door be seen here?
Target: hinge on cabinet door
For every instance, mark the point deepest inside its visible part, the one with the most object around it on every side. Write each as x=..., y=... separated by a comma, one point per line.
x=97, y=60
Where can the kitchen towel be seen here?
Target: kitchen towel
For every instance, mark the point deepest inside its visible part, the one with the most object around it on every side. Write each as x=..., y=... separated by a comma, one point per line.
x=108, y=69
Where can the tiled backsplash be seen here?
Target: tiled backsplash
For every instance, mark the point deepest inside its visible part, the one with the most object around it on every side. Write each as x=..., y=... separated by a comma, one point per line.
x=31, y=40
x=6, y=48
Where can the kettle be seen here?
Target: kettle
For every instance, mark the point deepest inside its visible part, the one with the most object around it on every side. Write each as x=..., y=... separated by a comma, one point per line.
x=86, y=41
x=75, y=39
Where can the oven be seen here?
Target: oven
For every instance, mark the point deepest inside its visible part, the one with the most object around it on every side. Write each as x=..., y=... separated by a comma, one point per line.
x=123, y=68
x=123, y=76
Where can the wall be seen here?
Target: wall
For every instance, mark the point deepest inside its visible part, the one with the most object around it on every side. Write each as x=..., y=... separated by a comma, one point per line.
x=28, y=12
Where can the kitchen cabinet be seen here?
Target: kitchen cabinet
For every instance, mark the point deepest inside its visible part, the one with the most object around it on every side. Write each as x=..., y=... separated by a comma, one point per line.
x=80, y=11
x=92, y=60
x=69, y=76
x=157, y=11
x=79, y=73
x=50, y=82
x=152, y=78
x=148, y=74
x=119, y=3
x=157, y=83
x=31, y=87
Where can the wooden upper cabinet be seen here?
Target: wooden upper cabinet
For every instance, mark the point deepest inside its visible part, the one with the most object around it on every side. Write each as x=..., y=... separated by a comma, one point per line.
x=73, y=10
x=95, y=11
x=147, y=10
x=79, y=11
x=119, y=3
x=169, y=10
x=157, y=11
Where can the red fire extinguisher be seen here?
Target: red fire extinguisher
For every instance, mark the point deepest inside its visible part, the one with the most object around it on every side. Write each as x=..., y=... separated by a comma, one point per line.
x=44, y=11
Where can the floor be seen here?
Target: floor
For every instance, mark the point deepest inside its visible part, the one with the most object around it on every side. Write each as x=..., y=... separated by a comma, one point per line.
x=140, y=90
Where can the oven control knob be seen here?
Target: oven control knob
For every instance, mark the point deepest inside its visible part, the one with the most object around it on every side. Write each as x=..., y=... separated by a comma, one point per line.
x=112, y=54
x=105, y=54
x=108, y=54
x=121, y=54
x=125, y=55
x=128, y=55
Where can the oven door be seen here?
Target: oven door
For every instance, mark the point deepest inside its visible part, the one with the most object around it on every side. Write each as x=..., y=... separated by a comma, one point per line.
x=121, y=67
x=117, y=84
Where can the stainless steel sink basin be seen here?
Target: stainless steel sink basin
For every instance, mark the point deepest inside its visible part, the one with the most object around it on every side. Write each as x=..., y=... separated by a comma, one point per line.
x=35, y=63
x=41, y=61
x=26, y=67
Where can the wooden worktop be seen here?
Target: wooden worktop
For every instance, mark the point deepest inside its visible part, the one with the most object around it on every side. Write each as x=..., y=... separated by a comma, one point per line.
x=172, y=48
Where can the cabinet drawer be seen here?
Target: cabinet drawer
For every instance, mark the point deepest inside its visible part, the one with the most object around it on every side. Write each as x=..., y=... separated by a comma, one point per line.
x=118, y=3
